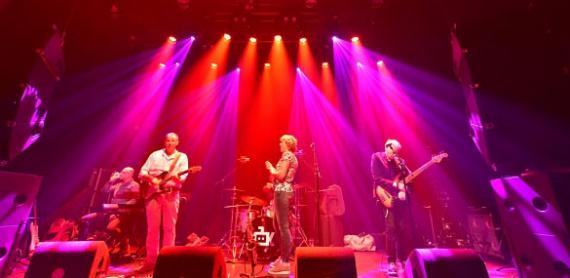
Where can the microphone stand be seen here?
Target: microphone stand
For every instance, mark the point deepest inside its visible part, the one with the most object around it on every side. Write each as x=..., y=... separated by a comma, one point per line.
x=317, y=174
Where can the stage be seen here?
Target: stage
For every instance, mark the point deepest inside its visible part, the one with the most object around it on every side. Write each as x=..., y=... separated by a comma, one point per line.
x=368, y=264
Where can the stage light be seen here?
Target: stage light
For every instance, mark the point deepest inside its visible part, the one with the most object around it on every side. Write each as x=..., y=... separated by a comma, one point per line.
x=267, y=65
x=325, y=65
x=213, y=66
x=252, y=40
x=161, y=65
x=171, y=39
x=355, y=39
x=192, y=38
x=303, y=41
x=298, y=69
x=227, y=37
x=278, y=38
x=238, y=69
x=359, y=64
x=380, y=63
x=334, y=39
x=177, y=64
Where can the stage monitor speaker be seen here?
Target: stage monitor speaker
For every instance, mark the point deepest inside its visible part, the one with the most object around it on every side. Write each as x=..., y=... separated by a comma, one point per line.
x=449, y=263
x=77, y=259
x=17, y=195
x=186, y=261
x=533, y=225
x=324, y=262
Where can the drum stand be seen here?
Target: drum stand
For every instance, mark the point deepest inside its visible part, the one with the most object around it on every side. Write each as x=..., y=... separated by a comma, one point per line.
x=231, y=240
x=299, y=228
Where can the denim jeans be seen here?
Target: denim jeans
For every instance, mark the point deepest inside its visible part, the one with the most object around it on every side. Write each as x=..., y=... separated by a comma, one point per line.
x=282, y=199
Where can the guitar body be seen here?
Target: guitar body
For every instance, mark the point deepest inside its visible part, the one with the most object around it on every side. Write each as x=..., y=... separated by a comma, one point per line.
x=384, y=197
x=157, y=185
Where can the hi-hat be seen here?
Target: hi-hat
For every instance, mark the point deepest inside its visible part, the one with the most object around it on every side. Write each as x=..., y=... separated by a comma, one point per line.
x=236, y=206
x=234, y=189
x=254, y=201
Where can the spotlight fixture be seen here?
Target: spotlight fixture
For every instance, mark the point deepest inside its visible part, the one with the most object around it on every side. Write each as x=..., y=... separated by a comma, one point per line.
x=325, y=64
x=252, y=40
x=334, y=38
x=380, y=63
x=303, y=40
x=161, y=65
x=177, y=64
x=213, y=66
x=355, y=39
x=278, y=38
x=359, y=64
x=238, y=69
x=267, y=65
x=172, y=39
x=192, y=38
x=227, y=37
x=298, y=69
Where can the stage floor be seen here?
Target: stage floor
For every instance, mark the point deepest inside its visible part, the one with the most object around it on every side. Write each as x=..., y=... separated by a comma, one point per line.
x=368, y=264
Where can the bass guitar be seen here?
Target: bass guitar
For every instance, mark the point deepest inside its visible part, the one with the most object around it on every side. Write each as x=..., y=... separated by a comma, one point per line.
x=397, y=188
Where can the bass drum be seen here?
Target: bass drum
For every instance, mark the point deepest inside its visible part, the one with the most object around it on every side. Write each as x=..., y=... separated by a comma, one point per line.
x=266, y=238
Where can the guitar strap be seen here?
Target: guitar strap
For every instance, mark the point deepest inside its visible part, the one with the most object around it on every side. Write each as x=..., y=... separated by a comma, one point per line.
x=174, y=162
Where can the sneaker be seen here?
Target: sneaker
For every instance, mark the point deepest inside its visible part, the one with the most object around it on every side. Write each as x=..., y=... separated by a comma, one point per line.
x=278, y=260
x=392, y=271
x=280, y=268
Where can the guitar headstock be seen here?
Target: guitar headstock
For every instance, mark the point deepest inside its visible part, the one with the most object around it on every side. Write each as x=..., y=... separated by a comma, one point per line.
x=439, y=157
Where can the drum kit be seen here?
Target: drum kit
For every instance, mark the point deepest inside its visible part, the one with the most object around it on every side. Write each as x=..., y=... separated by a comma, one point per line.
x=253, y=225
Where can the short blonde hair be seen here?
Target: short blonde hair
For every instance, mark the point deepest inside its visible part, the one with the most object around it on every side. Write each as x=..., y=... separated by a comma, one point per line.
x=290, y=141
x=396, y=146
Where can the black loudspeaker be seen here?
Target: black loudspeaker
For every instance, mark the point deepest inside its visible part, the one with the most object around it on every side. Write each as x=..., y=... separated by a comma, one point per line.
x=533, y=224
x=75, y=259
x=324, y=262
x=17, y=196
x=185, y=261
x=448, y=263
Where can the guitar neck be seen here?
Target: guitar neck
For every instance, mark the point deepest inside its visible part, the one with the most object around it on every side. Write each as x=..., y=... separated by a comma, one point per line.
x=418, y=171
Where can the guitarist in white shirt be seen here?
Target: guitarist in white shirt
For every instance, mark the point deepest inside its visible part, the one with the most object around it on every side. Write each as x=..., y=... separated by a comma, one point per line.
x=386, y=167
x=163, y=203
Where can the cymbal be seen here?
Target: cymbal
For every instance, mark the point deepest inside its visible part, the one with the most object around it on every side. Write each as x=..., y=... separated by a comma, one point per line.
x=234, y=189
x=236, y=206
x=254, y=201
x=299, y=185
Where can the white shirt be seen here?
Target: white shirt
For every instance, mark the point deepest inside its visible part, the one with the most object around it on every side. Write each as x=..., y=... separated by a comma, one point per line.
x=159, y=161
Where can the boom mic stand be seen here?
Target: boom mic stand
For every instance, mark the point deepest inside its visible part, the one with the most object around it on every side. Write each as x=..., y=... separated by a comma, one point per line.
x=317, y=174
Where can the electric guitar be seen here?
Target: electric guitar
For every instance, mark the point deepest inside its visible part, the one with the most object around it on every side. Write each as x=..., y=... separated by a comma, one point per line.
x=397, y=190
x=157, y=185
